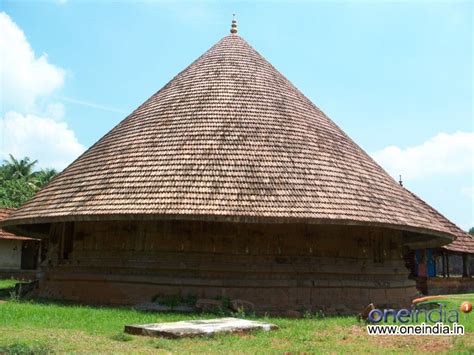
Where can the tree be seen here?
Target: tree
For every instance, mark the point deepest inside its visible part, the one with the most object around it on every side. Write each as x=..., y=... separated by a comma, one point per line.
x=471, y=231
x=19, y=182
x=43, y=177
x=15, y=168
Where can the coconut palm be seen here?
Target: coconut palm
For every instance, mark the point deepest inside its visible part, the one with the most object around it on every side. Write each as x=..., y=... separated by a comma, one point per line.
x=19, y=182
x=42, y=177
x=14, y=168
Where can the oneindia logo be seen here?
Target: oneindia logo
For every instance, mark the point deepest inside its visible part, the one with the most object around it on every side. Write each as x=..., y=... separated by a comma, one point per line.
x=427, y=316
x=415, y=315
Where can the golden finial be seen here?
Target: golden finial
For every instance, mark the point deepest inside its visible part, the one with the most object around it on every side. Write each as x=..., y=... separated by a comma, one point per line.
x=233, y=28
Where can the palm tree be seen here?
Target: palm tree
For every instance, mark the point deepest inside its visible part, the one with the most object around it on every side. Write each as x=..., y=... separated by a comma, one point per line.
x=19, y=182
x=42, y=177
x=15, y=168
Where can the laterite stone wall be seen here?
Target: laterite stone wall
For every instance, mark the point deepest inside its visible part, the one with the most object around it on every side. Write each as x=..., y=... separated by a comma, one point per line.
x=278, y=267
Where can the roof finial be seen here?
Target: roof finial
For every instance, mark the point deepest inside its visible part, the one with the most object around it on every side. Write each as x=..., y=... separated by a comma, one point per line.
x=400, y=180
x=233, y=27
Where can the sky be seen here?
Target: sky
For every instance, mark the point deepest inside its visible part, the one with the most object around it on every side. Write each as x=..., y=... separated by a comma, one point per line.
x=396, y=76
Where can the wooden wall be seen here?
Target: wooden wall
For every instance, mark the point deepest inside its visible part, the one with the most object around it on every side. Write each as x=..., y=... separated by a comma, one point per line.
x=279, y=267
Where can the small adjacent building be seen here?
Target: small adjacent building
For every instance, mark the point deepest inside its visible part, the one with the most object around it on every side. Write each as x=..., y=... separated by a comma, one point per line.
x=446, y=269
x=19, y=255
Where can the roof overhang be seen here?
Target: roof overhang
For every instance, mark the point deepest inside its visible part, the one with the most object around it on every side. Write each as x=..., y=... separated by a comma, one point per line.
x=414, y=237
x=14, y=237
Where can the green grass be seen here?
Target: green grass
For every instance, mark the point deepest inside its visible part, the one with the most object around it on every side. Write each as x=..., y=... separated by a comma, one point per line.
x=31, y=327
x=8, y=283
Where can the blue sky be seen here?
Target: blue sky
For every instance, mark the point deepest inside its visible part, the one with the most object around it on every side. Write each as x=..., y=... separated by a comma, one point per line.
x=396, y=76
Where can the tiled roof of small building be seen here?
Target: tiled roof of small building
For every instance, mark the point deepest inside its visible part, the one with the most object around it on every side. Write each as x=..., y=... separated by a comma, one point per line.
x=229, y=138
x=464, y=242
x=4, y=212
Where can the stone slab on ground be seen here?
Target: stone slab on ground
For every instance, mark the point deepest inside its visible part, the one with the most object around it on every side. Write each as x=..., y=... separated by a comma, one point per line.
x=198, y=327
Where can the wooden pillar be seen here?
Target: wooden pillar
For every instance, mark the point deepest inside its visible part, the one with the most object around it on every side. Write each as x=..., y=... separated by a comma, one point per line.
x=61, y=241
x=465, y=265
x=447, y=263
x=38, y=257
x=443, y=261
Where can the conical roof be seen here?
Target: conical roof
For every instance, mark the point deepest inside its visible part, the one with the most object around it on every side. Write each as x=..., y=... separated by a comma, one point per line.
x=229, y=138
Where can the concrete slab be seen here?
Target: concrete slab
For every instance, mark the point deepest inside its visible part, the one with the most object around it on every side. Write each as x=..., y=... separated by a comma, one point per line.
x=198, y=327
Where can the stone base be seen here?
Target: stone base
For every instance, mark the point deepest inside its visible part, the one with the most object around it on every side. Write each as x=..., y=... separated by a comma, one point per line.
x=277, y=300
x=198, y=328
x=449, y=285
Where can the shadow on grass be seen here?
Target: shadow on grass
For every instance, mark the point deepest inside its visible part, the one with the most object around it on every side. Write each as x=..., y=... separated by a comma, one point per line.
x=22, y=348
x=174, y=314
x=92, y=306
x=121, y=337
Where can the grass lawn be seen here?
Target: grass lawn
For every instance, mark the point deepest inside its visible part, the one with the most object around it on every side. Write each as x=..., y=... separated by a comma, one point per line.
x=36, y=327
x=7, y=283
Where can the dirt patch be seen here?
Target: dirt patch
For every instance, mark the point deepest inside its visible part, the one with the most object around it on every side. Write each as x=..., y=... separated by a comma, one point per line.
x=356, y=334
x=428, y=343
x=421, y=343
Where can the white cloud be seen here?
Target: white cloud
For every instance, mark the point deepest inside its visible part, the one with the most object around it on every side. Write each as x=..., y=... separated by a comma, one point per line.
x=53, y=143
x=24, y=76
x=55, y=110
x=441, y=154
x=27, y=82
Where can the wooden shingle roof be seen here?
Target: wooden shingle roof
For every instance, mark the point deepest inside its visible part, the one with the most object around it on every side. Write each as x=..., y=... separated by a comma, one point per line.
x=464, y=242
x=229, y=138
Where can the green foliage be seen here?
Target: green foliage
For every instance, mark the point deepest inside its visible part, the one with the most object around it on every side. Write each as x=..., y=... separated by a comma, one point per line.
x=14, y=296
x=225, y=301
x=471, y=231
x=16, y=169
x=19, y=182
x=240, y=313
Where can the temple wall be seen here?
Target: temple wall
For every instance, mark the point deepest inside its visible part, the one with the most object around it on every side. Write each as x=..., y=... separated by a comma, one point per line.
x=10, y=254
x=278, y=267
